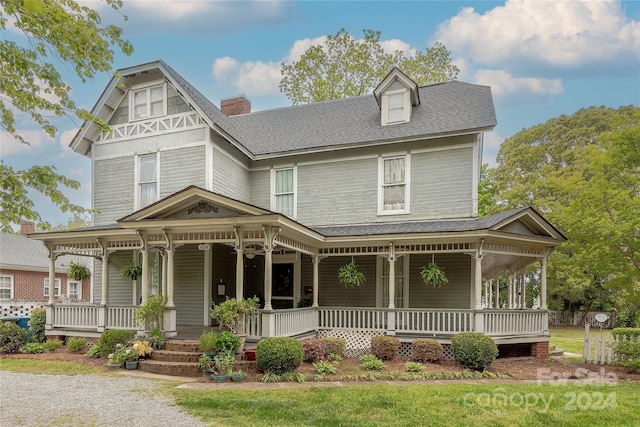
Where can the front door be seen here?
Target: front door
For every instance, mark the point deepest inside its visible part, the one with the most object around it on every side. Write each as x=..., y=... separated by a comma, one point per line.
x=283, y=285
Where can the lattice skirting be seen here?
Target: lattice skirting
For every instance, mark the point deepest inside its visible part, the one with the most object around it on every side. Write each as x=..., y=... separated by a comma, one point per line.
x=358, y=342
x=405, y=350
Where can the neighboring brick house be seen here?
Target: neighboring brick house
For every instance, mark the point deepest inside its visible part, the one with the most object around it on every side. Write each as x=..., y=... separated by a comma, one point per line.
x=24, y=275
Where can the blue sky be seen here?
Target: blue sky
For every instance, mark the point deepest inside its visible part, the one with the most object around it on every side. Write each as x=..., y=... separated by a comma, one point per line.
x=541, y=58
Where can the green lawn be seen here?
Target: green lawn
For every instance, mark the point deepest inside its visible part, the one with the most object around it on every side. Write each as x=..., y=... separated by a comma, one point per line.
x=412, y=405
x=571, y=338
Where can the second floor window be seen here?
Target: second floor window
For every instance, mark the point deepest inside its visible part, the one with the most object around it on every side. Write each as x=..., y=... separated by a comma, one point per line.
x=148, y=102
x=283, y=194
x=147, y=179
x=394, y=185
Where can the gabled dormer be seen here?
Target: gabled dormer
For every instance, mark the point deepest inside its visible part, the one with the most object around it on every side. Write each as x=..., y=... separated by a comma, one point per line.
x=396, y=95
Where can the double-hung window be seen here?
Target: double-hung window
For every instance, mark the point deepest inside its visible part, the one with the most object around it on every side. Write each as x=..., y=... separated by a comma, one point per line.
x=283, y=191
x=6, y=287
x=147, y=179
x=148, y=102
x=56, y=287
x=393, y=176
x=74, y=290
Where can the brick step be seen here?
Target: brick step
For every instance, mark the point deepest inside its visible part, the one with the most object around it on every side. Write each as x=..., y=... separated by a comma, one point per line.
x=180, y=369
x=182, y=345
x=175, y=356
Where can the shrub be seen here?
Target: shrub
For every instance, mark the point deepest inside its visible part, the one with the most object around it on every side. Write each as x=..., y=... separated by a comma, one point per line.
x=207, y=342
x=109, y=339
x=323, y=368
x=94, y=351
x=227, y=341
x=76, y=344
x=626, y=333
x=473, y=350
x=627, y=349
x=36, y=325
x=32, y=348
x=385, y=347
x=51, y=345
x=156, y=340
x=370, y=362
x=313, y=350
x=333, y=357
x=12, y=337
x=279, y=354
x=426, y=350
x=334, y=345
x=413, y=366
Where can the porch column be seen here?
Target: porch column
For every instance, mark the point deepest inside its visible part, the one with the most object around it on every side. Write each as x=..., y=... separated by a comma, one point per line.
x=208, y=280
x=239, y=264
x=164, y=272
x=497, y=291
x=510, y=293
x=170, y=281
x=316, y=262
x=49, y=317
x=391, y=315
x=523, y=298
x=543, y=282
x=479, y=315
x=145, y=274
x=104, y=284
x=270, y=234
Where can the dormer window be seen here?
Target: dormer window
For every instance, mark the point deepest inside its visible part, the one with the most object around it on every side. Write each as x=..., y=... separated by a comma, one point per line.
x=148, y=102
x=396, y=107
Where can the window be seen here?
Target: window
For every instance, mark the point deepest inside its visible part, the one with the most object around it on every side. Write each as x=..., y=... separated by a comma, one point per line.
x=283, y=189
x=56, y=289
x=147, y=102
x=6, y=287
x=394, y=185
x=396, y=107
x=147, y=179
x=74, y=289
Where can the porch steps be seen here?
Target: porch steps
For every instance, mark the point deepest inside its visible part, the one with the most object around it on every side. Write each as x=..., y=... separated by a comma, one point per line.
x=178, y=358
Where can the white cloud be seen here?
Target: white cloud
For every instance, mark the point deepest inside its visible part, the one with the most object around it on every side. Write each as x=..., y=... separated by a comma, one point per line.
x=509, y=89
x=10, y=146
x=491, y=145
x=66, y=137
x=545, y=36
x=390, y=46
x=300, y=47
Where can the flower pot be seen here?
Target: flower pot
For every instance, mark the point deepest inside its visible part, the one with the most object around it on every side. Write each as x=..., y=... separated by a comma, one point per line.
x=114, y=366
x=251, y=354
x=238, y=377
x=219, y=378
x=131, y=365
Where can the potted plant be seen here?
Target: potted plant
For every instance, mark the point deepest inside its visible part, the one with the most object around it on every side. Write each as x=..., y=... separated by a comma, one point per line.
x=125, y=354
x=227, y=341
x=78, y=271
x=231, y=313
x=208, y=342
x=222, y=363
x=151, y=312
x=143, y=348
x=238, y=376
x=350, y=276
x=433, y=275
x=131, y=271
x=205, y=362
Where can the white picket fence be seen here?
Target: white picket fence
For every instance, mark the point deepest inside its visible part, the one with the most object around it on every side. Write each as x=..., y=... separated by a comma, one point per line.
x=598, y=347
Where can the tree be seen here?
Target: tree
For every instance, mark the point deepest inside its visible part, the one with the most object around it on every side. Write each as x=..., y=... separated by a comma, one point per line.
x=344, y=67
x=78, y=220
x=583, y=173
x=486, y=191
x=58, y=35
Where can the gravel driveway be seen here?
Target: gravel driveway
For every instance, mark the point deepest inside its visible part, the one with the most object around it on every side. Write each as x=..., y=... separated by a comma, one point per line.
x=85, y=400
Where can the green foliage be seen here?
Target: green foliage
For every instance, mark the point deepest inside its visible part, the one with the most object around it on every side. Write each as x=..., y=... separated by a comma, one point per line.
x=52, y=345
x=581, y=171
x=76, y=344
x=487, y=191
x=626, y=333
x=306, y=301
x=156, y=340
x=77, y=220
x=131, y=271
x=279, y=354
x=313, y=349
x=94, y=351
x=473, y=350
x=627, y=353
x=334, y=345
x=345, y=67
x=385, y=347
x=12, y=337
x=369, y=362
x=426, y=350
x=57, y=37
x=205, y=362
x=231, y=313
x=350, y=276
x=433, y=275
x=123, y=353
x=37, y=325
x=151, y=312
x=111, y=338
x=324, y=368
x=32, y=348
x=207, y=341
x=78, y=271
x=413, y=366
x=223, y=362
x=227, y=341
x=334, y=357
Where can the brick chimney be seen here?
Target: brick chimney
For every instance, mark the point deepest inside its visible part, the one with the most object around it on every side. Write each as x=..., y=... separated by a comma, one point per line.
x=27, y=227
x=236, y=105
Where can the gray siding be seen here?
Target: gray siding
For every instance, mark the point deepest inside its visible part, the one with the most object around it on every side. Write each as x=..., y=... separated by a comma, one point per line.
x=181, y=168
x=260, y=191
x=189, y=285
x=119, y=291
x=113, y=180
x=442, y=184
x=175, y=105
x=455, y=294
x=332, y=294
x=229, y=178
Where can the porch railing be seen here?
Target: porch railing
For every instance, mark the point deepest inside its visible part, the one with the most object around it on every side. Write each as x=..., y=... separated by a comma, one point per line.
x=76, y=316
x=286, y=323
x=121, y=318
x=434, y=321
x=515, y=322
x=352, y=318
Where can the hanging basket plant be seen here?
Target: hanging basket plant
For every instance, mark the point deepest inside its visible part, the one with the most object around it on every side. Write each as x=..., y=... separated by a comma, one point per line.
x=350, y=276
x=78, y=271
x=433, y=275
x=131, y=271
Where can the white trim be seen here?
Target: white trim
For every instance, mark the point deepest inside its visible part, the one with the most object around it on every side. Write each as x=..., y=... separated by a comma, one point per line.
x=56, y=283
x=380, y=259
x=272, y=188
x=76, y=282
x=160, y=150
x=11, y=285
x=216, y=148
x=475, y=175
x=136, y=171
x=407, y=184
x=147, y=87
x=297, y=274
x=384, y=111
